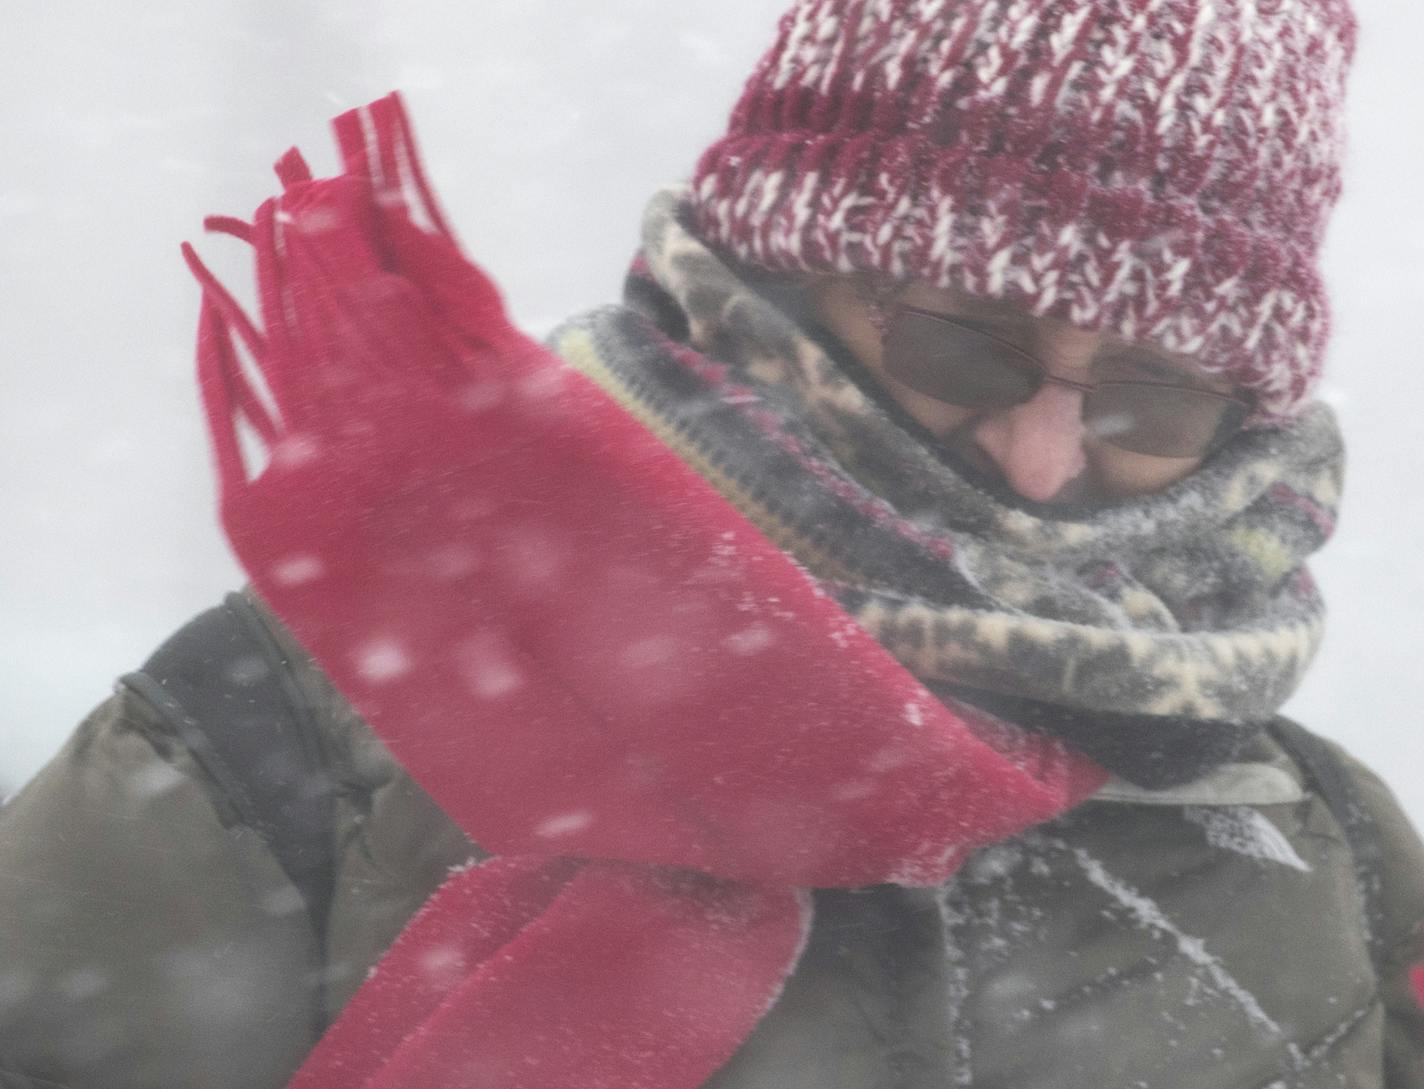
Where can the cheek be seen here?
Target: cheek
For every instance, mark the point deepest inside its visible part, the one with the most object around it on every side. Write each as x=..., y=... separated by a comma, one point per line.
x=1122, y=474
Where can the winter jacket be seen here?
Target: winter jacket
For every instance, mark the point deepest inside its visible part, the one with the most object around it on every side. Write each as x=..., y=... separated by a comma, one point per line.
x=1211, y=935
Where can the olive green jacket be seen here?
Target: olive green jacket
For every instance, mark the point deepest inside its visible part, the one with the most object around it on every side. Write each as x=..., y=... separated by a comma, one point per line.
x=1209, y=936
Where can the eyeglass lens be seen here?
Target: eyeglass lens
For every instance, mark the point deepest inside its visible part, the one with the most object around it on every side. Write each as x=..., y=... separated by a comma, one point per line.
x=961, y=366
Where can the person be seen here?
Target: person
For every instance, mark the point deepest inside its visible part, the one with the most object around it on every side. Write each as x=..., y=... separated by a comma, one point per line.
x=1003, y=320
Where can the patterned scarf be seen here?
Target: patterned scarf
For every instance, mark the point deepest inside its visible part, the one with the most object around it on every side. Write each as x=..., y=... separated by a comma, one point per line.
x=1157, y=635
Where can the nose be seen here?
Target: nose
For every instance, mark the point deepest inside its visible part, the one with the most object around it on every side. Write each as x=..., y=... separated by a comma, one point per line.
x=1038, y=445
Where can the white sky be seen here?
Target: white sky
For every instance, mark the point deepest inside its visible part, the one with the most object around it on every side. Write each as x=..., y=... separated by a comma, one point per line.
x=546, y=125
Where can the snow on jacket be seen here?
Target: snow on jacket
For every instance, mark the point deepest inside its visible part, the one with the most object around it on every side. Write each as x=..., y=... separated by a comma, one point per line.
x=1208, y=936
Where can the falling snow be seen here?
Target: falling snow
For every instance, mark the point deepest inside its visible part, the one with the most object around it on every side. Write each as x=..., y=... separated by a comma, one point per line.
x=752, y=640
x=647, y=653
x=489, y=672
x=382, y=660
x=293, y=451
x=488, y=668
x=297, y=570
x=565, y=824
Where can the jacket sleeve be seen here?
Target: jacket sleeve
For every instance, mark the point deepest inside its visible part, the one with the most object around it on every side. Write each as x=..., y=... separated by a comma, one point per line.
x=1402, y=908
x=147, y=939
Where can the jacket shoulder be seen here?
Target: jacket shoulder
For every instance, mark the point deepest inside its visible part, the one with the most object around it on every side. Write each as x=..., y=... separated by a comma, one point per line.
x=147, y=938
x=1398, y=851
x=151, y=930
x=1396, y=885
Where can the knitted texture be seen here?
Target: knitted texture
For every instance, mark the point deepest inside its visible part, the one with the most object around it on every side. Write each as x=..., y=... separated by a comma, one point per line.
x=1160, y=169
x=1155, y=635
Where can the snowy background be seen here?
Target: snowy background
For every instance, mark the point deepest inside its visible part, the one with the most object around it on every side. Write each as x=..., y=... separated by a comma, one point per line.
x=545, y=124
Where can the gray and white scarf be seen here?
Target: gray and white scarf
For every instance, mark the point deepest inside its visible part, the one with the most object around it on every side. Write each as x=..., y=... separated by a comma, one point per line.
x=1157, y=635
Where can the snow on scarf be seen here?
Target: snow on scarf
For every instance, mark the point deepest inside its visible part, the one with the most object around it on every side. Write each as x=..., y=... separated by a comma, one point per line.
x=600, y=669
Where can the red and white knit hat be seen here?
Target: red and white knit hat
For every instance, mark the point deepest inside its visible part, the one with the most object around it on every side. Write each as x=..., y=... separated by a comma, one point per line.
x=1162, y=169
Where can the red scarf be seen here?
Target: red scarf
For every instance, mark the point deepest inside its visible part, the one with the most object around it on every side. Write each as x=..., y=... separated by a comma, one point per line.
x=598, y=668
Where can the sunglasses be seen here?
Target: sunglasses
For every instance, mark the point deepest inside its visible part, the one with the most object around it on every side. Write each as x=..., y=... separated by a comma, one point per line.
x=956, y=363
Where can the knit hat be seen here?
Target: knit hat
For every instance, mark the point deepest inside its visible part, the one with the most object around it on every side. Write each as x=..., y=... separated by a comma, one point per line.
x=1159, y=169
